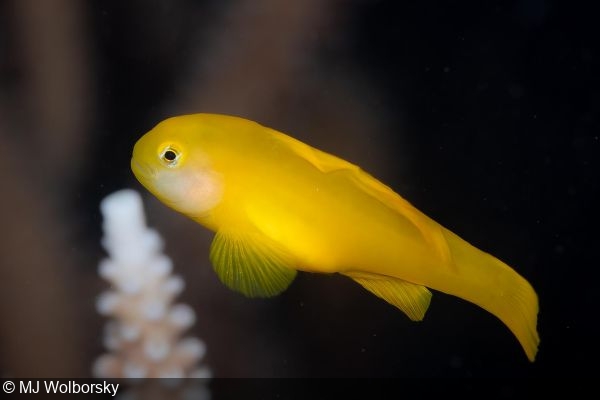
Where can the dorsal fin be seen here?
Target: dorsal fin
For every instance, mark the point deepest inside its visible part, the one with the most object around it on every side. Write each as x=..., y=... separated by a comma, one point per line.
x=430, y=230
x=251, y=264
x=323, y=161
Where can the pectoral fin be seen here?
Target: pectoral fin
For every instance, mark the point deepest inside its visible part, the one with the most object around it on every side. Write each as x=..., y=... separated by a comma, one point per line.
x=412, y=299
x=251, y=264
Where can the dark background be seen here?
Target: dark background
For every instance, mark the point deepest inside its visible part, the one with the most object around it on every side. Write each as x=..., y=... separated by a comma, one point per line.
x=485, y=115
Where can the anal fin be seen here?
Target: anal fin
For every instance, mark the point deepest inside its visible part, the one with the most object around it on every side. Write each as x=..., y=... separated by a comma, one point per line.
x=410, y=298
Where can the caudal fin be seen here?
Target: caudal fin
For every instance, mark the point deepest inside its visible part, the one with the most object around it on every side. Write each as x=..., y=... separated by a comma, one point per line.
x=497, y=288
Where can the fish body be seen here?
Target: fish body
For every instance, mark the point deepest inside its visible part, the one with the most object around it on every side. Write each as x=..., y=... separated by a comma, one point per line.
x=278, y=205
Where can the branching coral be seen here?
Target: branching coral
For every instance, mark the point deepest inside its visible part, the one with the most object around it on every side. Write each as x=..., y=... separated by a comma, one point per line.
x=144, y=335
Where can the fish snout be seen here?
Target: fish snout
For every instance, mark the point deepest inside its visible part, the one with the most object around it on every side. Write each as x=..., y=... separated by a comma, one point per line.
x=141, y=171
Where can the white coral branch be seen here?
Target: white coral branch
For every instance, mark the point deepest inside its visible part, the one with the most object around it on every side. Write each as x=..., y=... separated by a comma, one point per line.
x=144, y=335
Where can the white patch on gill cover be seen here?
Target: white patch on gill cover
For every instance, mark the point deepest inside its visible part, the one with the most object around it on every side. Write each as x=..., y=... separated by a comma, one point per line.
x=190, y=191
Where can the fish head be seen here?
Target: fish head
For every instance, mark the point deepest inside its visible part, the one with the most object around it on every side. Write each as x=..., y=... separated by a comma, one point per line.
x=172, y=162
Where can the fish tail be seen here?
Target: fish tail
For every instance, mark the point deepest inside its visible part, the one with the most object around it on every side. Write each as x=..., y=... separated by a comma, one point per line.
x=496, y=287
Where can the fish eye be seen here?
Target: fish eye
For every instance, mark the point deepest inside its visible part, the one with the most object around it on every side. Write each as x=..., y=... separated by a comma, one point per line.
x=170, y=156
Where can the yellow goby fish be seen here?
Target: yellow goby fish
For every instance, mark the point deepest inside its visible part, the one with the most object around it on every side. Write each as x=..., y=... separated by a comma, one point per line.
x=278, y=205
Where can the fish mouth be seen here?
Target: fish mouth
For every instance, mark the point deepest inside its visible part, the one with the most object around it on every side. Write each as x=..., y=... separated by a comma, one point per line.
x=141, y=171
